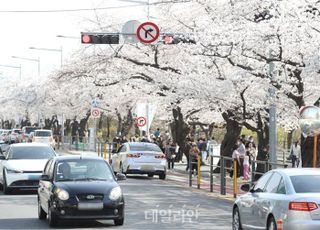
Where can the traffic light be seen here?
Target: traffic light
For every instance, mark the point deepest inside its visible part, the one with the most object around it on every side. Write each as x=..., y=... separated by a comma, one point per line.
x=100, y=38
x=173, y=39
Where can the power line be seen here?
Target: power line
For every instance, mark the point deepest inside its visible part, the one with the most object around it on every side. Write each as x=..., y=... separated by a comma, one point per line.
x=88, y=9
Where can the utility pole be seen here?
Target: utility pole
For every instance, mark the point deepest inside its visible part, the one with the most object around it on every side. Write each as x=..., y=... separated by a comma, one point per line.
x=272, y=117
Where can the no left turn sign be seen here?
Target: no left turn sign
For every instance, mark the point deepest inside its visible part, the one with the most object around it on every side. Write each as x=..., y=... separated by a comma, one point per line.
x=148, y=32
x=95, y=112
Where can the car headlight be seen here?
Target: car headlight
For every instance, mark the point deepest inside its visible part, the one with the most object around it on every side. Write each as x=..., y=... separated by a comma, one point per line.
x=115, y=193
x=62, y=194
x=13, y=171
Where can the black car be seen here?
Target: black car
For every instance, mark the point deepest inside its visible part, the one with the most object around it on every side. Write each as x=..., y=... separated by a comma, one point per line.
x=78, y=187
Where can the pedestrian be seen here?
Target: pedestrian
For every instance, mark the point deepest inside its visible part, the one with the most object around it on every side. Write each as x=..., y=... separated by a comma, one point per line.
x=295, y=153
x=194, y=154
x=188, y=147
x=169, y=152
x=246, y=166
x=235, y=156
x=157, y=133
x=242, y=152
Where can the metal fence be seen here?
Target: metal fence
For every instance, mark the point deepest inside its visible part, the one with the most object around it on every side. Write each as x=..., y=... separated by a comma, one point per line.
x=227, y=166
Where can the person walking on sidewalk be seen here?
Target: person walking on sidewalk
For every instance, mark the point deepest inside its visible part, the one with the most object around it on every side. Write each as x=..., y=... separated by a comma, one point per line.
x=194, y=154
x=169, y=152
x=246, y=166
x=295, y=153
x=235, y=156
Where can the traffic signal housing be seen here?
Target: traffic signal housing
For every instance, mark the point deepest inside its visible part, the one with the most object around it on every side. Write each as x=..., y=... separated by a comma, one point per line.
x=173, y=39
x=100, y=38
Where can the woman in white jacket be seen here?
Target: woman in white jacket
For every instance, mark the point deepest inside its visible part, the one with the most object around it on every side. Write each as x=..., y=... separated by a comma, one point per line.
x=295, y=153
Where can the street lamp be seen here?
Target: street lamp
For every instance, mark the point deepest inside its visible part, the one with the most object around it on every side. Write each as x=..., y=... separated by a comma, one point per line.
x=30, y=59
x=47, y=49
x=13, y=66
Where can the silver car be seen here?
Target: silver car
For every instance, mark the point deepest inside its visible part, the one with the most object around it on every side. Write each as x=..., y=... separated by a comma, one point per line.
x=287, y=197
x=140, y=158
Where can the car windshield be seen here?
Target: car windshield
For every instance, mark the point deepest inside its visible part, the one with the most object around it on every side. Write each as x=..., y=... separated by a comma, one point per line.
x=306, y=183
x=154, y=148
x=29, y=130
x=43, y=133
x=17, y=131
x=31, y=152
x=83, y=170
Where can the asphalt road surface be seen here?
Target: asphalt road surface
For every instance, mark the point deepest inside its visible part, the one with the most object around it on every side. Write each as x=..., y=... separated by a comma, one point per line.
x=150, y=204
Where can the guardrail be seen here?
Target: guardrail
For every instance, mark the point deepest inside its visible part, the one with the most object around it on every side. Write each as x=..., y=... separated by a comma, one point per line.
x=227, y=165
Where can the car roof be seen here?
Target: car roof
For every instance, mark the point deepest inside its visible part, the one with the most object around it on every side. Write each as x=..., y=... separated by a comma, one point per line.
x=77, y=157
x=29, y=144
x=298, y=171
x=140, y=143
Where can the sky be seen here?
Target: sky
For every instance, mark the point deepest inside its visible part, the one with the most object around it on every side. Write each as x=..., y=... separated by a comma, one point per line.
x=22, y=30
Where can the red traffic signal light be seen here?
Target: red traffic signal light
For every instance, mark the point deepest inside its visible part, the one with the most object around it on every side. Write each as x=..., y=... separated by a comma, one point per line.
x=85, y=38
x=100, y=38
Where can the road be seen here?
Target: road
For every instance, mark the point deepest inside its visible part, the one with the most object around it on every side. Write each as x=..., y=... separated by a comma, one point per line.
x=150, y=204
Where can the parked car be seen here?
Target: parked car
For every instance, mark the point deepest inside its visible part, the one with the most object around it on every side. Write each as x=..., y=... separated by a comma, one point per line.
x=80, y=187
x=26, y=133
x=43, y=136
x=140, y=158
x=287, y=196
x=22, y=165
x=14, y=136
x=3, y=133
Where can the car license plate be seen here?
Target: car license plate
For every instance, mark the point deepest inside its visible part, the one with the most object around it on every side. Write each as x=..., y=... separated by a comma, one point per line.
x=90, y=206
x=147, y=168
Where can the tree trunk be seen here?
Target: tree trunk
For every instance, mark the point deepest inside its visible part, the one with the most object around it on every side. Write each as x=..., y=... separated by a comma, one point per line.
x=307, y=151
x=180, y=130
x=230, y=138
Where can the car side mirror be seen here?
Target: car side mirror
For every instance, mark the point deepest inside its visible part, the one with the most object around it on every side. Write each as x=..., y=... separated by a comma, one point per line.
x=2, y=157
x=44, y=177
x=245, y=187
x=121, y=176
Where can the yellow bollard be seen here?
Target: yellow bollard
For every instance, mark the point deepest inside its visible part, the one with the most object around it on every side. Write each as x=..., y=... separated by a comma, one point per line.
x=198, y=176
x=235, y=187
x=105, y=152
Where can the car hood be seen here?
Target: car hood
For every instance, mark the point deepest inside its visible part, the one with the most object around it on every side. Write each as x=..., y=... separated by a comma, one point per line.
x=77, y=187
x=26, y=165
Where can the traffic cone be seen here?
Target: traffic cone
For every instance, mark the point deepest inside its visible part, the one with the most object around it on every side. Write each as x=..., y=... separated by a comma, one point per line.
x=279, y=224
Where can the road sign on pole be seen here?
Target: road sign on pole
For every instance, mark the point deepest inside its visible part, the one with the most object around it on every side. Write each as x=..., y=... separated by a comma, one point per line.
x=148, y=32
x=141, y=121
x=95, y=112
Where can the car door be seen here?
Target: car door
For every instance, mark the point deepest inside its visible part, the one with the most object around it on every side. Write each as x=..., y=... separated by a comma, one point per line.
x=116, y=160
x=268, y=199
x=251, y=212
x=45, y=186
x=2, y=165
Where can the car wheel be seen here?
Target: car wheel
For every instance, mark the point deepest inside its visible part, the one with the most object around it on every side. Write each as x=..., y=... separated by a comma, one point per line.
x=118, y=222
x=150, y=175
x=52, y=218
x=5, y=188
x=162, y=176
x=42, y=215
x=271, y=225
x=236, y=223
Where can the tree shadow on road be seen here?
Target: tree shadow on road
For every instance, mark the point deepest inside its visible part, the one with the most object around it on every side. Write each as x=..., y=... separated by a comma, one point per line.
x=34, y=223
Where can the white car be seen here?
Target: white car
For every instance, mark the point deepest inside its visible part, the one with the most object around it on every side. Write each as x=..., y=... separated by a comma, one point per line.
x=44, y=136
x=140, y=158
x=22, y=165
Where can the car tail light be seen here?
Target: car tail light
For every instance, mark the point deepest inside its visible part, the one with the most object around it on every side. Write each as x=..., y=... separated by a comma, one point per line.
x=160, y=156
x=131, y=155
x=303, y=206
